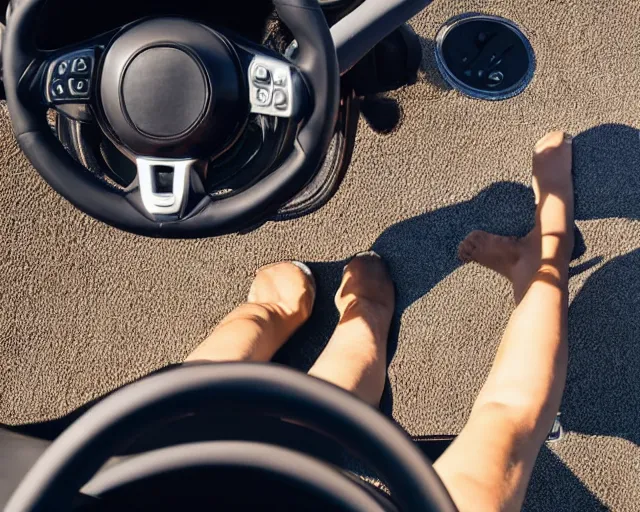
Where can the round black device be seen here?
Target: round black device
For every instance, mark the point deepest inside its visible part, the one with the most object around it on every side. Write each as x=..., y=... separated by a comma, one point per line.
x=485, y=57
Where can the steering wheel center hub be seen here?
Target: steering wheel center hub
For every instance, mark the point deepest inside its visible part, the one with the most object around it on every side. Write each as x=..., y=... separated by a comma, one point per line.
x=172, y=88
x=160, y=80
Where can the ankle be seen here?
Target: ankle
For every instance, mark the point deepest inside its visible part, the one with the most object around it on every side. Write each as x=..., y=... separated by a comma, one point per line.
x=557, y=271
x=556, y=248
x=285, y=316
x=266, y=316
x=370, y=318
x=365, y=307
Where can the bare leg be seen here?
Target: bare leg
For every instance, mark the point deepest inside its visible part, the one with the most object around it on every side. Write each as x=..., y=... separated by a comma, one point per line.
x=279, y=302
x=356, y=356
x=489, y=465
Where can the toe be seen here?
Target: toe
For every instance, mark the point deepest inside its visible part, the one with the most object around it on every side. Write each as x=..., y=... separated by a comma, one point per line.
x=367, y=263
x=274, y=268
x=289, y=285
x=476, y=239
x=469, y=243
x=366, y=276
x=284, y=269
x=464, y=251
x=551, y=141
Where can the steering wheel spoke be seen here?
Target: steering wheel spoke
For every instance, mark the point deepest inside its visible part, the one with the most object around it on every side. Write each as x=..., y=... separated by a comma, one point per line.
x=164, y=184
x=68, y=76
x=68, y=82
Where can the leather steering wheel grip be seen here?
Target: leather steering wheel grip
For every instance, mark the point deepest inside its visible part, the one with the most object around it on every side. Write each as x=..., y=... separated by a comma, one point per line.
x=268, y=389
x=318, y=65
x=319, y=480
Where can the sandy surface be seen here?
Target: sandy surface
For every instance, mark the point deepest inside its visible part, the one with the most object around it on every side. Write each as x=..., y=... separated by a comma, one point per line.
x=86, y=308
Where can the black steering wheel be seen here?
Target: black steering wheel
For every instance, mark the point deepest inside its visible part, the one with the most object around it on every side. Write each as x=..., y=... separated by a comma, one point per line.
x=83, y=448
x=175, y=94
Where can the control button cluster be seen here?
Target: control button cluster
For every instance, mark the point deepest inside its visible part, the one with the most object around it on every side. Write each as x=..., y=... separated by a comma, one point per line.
x=69, y=77
x=270, y=87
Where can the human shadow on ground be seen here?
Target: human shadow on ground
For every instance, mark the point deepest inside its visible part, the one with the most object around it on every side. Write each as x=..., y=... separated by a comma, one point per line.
x=429, y=71
x=420, y=252
x=603, y=392
x=602, y=395
x=554, y=486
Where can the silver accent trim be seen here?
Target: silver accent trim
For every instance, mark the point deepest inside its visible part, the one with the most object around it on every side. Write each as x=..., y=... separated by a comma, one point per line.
x=164, y=203
x=557, y=432
x=73, y=91
x=275, y=68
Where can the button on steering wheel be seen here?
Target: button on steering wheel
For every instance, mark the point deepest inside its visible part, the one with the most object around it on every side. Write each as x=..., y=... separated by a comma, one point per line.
x=176, y=94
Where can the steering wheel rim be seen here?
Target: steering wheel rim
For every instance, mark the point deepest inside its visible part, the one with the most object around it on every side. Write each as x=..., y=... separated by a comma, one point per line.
x=258, y=388
x=318, y=480
x=318, y=65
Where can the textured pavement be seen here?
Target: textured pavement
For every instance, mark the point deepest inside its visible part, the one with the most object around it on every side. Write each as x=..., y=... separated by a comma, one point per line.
x=86, y=308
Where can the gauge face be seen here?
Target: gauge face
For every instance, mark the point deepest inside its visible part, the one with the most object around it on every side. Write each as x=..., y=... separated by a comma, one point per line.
x=485, y=57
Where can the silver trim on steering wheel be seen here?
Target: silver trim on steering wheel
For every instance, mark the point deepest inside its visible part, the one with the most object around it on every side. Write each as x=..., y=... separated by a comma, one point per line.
x=155, y=200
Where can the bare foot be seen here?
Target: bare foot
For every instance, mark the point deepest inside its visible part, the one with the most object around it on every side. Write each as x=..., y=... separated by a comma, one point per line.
x=366, y=283
x=366, y=302
x=355, y=357
x=280, y=300
x=288, y=287
x=550, y=243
